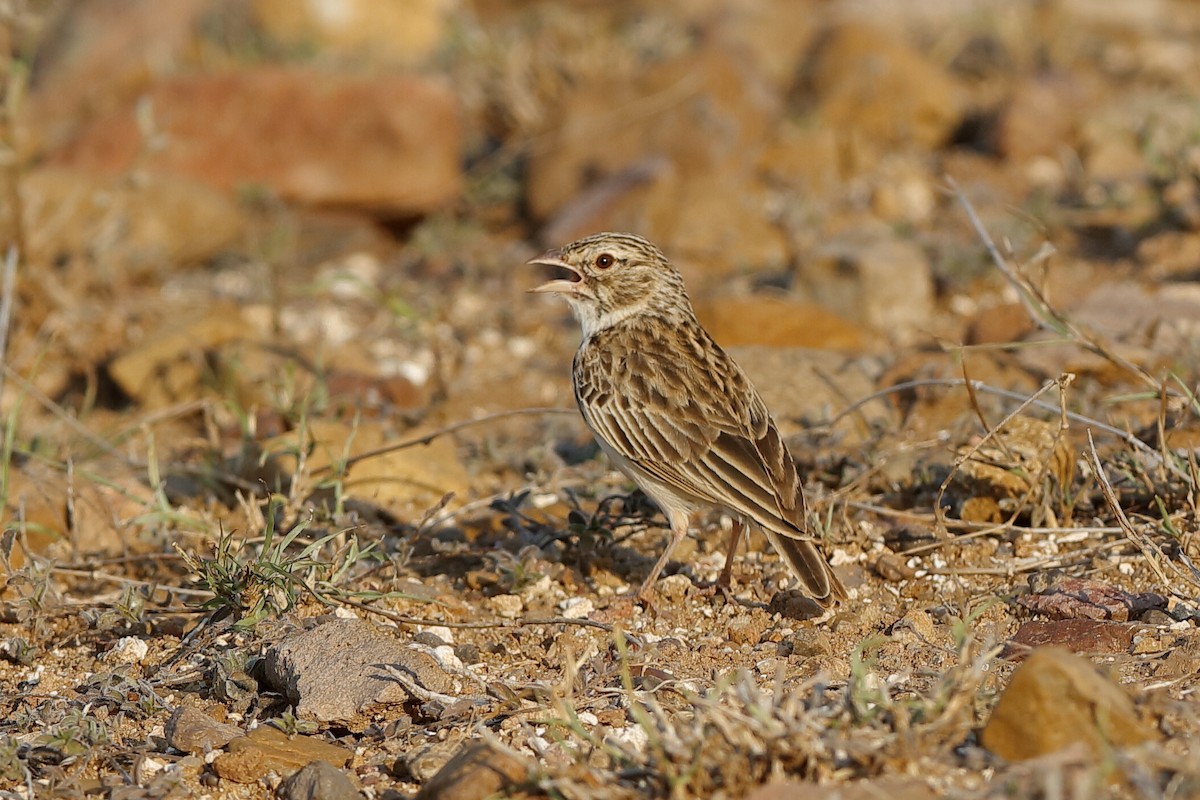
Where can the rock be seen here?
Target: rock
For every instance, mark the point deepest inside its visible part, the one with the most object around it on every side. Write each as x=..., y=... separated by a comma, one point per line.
x=942, y=406
x=577, y=607
x=871, y=86
x=718, y=221
x=395, y=31
x=1076, y=635
x=674, y=589
x=104, y=53
x=507, y=606
x=810, y=642
x=128, y=650
x=55, y=510
x=388, y=145
x=802, y=157
x=876, y=279
x=332, y=673
x=699, y=196
x=903, y=191
x=1039, y=119
x=1056, y=699
x=1082, y=598
x=1028, y=461
x=140, y=226
x=778, y=322
x=190, y=730
x=893, y=787
x=476, y=771
x=892, y=567
x=404, y=481
x=794, y=604
x=267, y=749
x=746, y=629
x=720, y=111
x=319, y=780
x=999, y=324
x=774, y=33
x=1126, y=314
x=1184, y=659
x=802, y=387
x=169, y=365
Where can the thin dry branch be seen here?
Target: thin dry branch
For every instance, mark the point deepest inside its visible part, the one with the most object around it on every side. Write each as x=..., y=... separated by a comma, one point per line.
x=1040, y=310
x=7, y=299
x=979, y=386
x=1061, y=383
x=426, y=438
x=1159, y=561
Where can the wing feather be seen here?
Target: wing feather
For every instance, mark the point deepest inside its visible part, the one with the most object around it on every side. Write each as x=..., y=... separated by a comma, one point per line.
x=666, y=420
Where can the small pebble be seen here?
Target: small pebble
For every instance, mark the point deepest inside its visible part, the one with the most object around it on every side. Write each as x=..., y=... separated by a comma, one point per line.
x=577, y=607
x=508, y=606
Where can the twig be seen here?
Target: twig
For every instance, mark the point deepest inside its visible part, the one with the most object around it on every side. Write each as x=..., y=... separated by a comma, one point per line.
x=1054, y=561
x=980, y=386
x=1152, y=552
x=108, y=577
x=419, y=692
x=404, y=619
x=7, y=293
x=962, y=459
x=426, y=438
x=1038, y=307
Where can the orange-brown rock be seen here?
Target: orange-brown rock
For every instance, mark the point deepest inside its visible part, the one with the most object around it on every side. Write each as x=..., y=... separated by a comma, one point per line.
x=1056, y=699
x=871, y=84
x=397, y=31
x=778, y=322
x=387, y=144
x=267, y=749
x=105, y=52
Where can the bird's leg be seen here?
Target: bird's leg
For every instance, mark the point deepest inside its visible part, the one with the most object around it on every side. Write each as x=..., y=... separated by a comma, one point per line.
x=724, y=583
x=679, y=529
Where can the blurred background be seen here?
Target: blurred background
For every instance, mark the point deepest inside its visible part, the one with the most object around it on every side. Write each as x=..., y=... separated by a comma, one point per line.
x=232, y=219
x=277, y=248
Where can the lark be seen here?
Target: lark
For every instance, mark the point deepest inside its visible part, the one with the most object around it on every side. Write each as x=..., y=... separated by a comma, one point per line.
x=674, y=412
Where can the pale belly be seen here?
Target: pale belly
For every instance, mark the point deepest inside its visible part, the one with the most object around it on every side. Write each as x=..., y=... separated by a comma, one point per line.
x=672, y=502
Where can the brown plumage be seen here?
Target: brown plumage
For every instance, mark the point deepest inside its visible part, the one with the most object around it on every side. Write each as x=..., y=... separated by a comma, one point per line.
x=673, y=411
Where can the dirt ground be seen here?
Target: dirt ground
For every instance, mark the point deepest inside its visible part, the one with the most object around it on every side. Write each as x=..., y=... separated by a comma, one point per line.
x=272, y=377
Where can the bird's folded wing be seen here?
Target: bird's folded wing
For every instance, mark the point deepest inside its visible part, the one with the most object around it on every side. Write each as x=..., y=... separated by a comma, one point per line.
x=716, y=463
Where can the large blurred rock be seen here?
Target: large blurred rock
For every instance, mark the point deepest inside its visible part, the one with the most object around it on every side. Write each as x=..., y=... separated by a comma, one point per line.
x=1039, y=119
x=870, y=84
x=1056, y=699
x=803, y=387
x=143, y=224
x=778, y=322
x=398, y=31
x=97, y=55
x=334, y=672
x=775, y=33
x=385, y=144
x=704, y=116
x=874, y=278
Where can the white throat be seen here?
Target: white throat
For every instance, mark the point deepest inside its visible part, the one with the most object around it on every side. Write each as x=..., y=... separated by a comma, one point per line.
x=593, y=322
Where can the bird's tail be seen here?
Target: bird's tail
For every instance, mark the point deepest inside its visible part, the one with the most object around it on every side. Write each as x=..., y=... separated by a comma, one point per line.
x=807, y=563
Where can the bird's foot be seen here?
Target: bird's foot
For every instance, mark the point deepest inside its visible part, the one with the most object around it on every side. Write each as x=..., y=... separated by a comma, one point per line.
x=623, y=607
x=711, y=589
x=646, y=597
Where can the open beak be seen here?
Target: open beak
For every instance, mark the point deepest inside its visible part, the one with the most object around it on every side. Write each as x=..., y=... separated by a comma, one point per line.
x=568, y=285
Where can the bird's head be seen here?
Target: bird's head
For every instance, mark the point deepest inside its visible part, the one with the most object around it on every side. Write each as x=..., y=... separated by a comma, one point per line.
x=610, y=277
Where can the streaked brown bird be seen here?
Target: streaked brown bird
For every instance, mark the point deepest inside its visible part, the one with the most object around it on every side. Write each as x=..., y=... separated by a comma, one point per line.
x=672, y=409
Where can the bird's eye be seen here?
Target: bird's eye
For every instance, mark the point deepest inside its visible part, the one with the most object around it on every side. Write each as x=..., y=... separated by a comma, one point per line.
x=604, y=261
